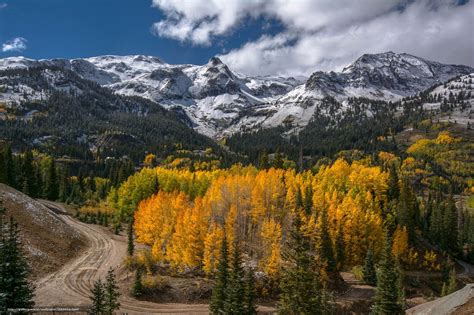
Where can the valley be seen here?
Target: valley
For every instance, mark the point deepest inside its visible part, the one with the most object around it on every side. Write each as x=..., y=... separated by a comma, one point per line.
x=166, y=173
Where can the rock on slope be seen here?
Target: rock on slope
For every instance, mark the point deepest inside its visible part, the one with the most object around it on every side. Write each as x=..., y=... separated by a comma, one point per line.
x=454, y=303
x=48, y=240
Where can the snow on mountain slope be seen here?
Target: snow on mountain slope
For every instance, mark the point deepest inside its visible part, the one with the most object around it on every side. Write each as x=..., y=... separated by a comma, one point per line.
x=387, y=76
x=220, y=102
x=459, y=91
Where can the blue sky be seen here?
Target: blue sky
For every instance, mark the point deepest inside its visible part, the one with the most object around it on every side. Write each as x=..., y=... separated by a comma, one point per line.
x=73, y=29
x=275, y=37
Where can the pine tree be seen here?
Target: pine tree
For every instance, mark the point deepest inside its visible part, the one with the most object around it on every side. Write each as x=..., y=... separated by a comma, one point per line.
x=277, y=160
x=130, y=244
x=235, y=291
x=222, y=276
x=300, y=287
x=388, y=299
x=340, y=252
x=10, y=178
x=298, y=199
x=112, y=293
x=51, y=184
x=393, y=183
x=308, y=200
x=327, y=251
x=263, y=161
x=3, y=170
x=137, y=289
x=98, y=298
x=407, y=209
x=15, y=290
x=64, y=185
x=451, y=285
x=249, y=296
x=449, y=238
x=28, y=175
x=370, y=274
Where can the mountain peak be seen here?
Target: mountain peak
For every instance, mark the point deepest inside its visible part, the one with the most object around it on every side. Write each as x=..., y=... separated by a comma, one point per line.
x=215, y=61
x=378, y=60
x=385, y=74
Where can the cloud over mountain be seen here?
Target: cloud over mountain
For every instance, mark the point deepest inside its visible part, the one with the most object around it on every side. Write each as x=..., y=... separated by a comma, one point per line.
x=324, y=34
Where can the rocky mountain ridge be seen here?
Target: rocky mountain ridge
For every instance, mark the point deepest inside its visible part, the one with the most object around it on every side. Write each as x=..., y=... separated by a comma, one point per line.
x=220, y=102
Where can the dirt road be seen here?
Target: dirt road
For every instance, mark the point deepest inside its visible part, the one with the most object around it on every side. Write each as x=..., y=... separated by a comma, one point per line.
x=70, y=286
x=468, y=269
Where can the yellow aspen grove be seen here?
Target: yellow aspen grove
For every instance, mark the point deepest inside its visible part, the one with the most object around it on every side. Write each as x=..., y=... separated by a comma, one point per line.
x=184, y=222
x=148, y=218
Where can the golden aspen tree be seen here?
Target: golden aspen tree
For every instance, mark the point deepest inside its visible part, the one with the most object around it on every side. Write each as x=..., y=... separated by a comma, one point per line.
x=400, y=243
x=196, y=234
x=212, y=245
x=230, y=226
x=271, y=234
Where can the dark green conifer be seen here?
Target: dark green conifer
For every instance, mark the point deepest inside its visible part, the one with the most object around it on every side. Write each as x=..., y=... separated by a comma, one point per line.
x=301, y=291
x=327, y=250
x=249, y=296
x=263, y=163
x=9, y=165
x=111, y=292
x=222, y=277
x=388, y=298
x=137, y=289
x=369, y=272
x=130, y=244
x=28, y=175
x=15, y=290
x=449, y=241
x=340, y=252
x=393, y=183
x=51, y=183
x=308, y=200
x=235, y=290
x=98, y=298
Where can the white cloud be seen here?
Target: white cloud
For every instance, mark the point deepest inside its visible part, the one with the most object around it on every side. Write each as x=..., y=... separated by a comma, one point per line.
x=3, y=5
x=325, y=34
x=16, y=44
x=199, y=20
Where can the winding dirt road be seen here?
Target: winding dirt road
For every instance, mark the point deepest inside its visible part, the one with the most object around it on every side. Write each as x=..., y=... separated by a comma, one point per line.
x=70, y=286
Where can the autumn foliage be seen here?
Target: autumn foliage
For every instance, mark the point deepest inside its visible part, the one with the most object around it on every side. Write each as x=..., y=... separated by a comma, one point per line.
x=184, y=223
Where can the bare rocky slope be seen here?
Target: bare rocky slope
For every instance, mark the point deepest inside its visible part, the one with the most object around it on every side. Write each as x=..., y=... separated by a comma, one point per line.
x=49, y=242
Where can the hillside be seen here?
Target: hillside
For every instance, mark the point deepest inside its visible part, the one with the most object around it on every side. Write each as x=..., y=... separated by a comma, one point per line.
x=55, y=110
x=362, y=123
x=49, y=242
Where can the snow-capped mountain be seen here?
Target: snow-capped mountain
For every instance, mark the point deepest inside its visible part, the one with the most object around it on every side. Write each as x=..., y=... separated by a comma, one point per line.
x=386, y=76
x=220, y=102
